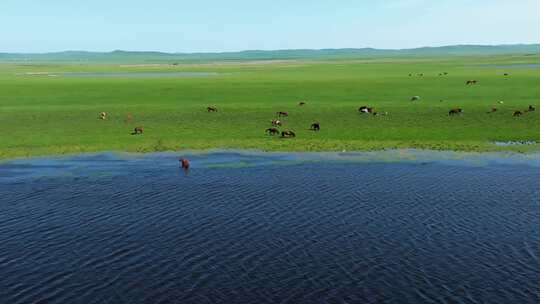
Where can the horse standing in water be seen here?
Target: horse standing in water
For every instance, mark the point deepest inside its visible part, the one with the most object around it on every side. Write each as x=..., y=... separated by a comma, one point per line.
x=184, y=163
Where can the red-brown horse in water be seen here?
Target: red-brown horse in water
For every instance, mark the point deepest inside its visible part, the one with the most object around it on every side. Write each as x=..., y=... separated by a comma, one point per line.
x=184, y=163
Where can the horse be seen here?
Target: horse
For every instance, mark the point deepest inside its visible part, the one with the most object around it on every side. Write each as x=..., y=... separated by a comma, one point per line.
x=137, y=131
x=282, y=114
x=455, y=111
x=415, y=98
x=366, y=109
x=302, y=103
x=211, y=109
x=276, y=123
x=288, y=134
x=316, y=126
x=272, y=131
x=103, y=115
x=184, y=163
x=471, y=82
x=531, y=108
x=517, y=113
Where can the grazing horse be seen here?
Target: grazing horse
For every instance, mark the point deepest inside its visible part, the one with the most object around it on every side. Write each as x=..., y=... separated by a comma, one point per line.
x=302, y=103
x=184, y=163
x=282, y=114
x=103, y=115
x=272, y=131
x=316, y=126
x=276, y=123
x=455, y=111
x=366, y=109
x=211, y=109
x=137, y=131
x=415, y=98
x=288, y=134
x=517, y=113
x=531, y=108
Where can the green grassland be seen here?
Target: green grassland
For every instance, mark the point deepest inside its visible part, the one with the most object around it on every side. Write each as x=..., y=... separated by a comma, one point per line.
x=41, y=114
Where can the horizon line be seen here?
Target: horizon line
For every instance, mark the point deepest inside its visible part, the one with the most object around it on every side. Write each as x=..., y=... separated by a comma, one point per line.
x=272, y=50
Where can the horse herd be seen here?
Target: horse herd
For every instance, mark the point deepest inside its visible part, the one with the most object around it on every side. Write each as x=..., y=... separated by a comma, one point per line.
x=316, y=126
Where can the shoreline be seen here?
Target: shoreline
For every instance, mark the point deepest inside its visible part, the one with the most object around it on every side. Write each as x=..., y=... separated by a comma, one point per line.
x=383, y=155
x=369, y=146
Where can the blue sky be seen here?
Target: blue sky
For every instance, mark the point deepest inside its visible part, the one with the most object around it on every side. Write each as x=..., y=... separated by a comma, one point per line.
x=230, y=25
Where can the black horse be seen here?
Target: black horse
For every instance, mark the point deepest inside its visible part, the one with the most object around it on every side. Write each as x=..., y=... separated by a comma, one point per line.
x=272, y=131
x=288, y=134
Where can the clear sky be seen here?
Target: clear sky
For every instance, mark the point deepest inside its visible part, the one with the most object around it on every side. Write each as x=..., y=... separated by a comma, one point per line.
x=230, y=25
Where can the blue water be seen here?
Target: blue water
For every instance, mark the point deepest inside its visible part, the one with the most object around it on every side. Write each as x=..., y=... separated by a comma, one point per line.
x=518, y=66
x=145, y=74
x=386, y=227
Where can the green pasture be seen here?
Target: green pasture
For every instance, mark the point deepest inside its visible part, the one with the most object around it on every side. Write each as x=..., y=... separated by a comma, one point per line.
x=43, y=111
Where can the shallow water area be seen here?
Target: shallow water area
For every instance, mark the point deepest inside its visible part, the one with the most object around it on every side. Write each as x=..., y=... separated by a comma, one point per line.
x=514, y=66
x=403, y=226
x=147, y=74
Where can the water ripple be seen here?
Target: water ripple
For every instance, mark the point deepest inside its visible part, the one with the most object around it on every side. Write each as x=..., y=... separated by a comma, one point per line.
x=282, y=229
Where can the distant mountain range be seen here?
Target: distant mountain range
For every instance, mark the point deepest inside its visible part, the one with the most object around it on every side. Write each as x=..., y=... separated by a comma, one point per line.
x=157, y=57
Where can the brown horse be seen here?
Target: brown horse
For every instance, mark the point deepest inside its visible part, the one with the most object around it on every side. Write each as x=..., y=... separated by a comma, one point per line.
x=316, y=126
x=137, y=131
x=184, y=163
x=455, y=111
x=276, y=123
x=282, y=114
x=517, y=113
x=272, y=131
x=288, y=134
x=211, y=109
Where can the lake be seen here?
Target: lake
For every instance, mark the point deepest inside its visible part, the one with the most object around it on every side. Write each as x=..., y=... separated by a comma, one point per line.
x=248, y=227
x=126, y=74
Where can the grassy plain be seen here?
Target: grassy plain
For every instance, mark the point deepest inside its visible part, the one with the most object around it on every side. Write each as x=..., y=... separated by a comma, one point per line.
x=41, y=114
